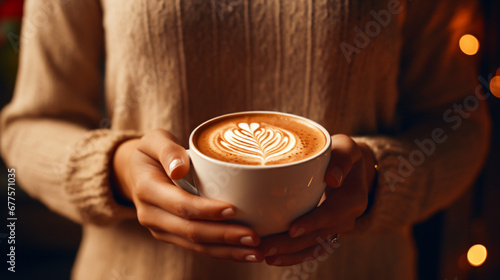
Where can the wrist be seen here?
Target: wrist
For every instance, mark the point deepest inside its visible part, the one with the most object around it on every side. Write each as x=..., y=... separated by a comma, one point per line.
x=370, y=164
x=371, y=167
x=120, y=170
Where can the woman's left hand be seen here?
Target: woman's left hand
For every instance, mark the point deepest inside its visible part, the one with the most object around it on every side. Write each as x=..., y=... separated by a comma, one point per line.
x=349, y=177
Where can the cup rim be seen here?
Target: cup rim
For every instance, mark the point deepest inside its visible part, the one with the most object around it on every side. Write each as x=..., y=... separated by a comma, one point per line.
x=324, y=150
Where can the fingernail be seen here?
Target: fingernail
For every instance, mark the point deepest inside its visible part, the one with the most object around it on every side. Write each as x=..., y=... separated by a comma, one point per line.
x=298, y=232
x=272, y=251
x=174, y=164
x=251, y=258
x=247, y=241
x=228, y=213
x=337, y=174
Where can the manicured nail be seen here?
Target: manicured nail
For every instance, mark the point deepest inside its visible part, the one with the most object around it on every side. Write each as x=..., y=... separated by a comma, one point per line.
x=251, y=258
x=272, y=251
x=298, y=232
x=337, y=174
x=247, y=241
x=228, y=213
x=174, y=164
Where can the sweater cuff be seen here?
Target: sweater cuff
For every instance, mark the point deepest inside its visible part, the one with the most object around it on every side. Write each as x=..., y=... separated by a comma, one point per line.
x=400, y=185
x=87, y=177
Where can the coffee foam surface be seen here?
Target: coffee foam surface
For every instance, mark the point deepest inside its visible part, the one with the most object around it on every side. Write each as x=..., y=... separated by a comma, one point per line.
x=260, y=139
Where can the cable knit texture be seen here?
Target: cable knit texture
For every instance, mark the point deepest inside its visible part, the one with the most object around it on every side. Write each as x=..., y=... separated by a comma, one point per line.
x=386, y=72
x=88, y=188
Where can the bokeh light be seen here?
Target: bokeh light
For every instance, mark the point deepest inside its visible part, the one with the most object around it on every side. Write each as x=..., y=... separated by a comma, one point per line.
x=495, y=86
x=477, y=255
x=469, y=44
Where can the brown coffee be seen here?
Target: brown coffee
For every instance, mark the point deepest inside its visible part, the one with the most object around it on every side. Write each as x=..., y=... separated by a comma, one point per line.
x=259, y=139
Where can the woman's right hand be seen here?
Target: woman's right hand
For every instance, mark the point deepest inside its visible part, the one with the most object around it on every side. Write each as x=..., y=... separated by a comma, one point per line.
x=143, y=169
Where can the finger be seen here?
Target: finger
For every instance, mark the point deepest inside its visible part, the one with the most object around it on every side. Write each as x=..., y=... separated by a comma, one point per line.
x=284, y=244
x=345, y=153
x=162, y=146
x=197, y=231
x=235, y=253
x=338, y=212
x=154, y=188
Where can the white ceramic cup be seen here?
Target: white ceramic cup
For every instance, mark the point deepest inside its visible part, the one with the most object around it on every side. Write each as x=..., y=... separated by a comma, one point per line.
x=267, y=197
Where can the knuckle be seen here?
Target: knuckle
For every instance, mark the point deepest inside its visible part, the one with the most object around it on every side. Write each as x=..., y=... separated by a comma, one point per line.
x=192, y=233
x=228, y=237
x=199, y=203
x=155, y=234
x=200, y=249
x=194, y=213
x=143, y=141
x=235, y=256
x=188, y=208
x=165, y=153
x=186, y=213
x=181, y=210
x=142, y=217
x=159, y=235
x=142, y=188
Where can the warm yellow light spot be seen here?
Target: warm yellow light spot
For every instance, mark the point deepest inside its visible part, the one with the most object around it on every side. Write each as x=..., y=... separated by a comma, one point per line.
x=495, y=86
x=469, y=44
x=477, y=255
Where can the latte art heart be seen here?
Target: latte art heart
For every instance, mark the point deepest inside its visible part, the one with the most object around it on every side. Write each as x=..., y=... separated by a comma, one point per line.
x=256, y=140
x=259, y=138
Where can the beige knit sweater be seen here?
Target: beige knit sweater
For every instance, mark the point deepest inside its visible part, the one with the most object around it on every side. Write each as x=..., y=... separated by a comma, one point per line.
x=172, y=64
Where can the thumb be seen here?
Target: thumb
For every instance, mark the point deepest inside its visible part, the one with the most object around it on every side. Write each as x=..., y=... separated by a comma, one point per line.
x=345, y=153
x=178, y=164
x=162, y=146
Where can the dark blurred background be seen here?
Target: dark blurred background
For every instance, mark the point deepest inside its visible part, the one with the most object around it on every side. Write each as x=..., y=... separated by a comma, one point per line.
x=46, y=243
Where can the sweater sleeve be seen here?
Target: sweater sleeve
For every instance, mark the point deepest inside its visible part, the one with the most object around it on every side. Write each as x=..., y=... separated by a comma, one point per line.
x=444, y=138
x=50, y=131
